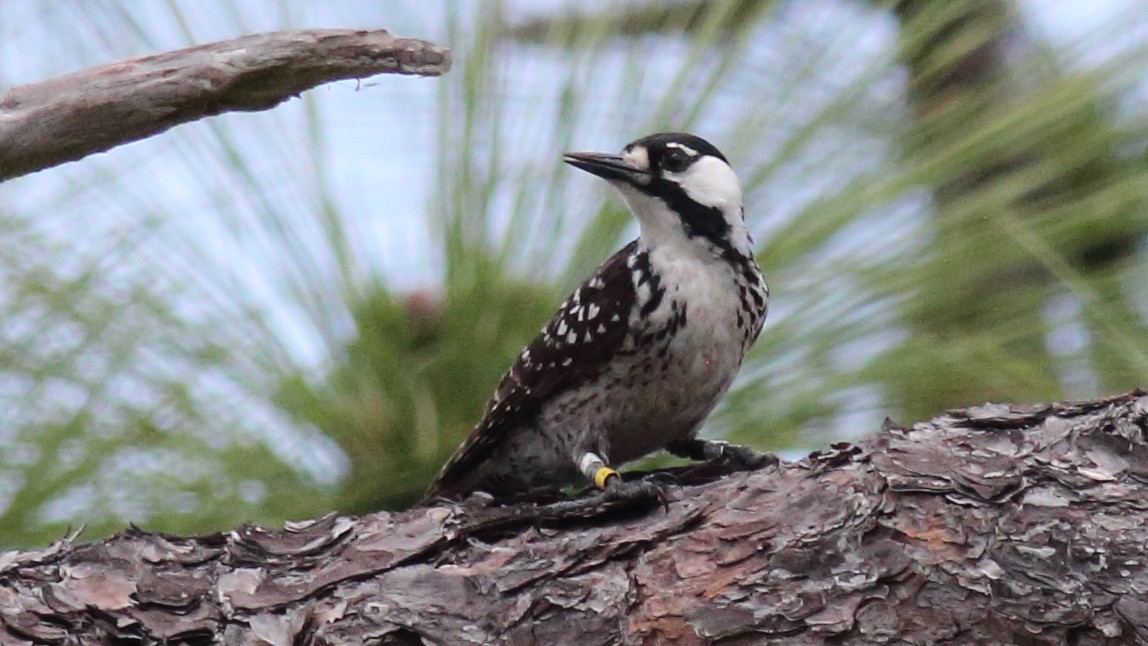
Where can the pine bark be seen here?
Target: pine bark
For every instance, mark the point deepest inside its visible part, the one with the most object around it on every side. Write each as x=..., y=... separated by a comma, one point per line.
x=999, y=524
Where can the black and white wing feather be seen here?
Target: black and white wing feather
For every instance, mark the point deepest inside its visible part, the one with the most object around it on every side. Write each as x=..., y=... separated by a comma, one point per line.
x=572, y=348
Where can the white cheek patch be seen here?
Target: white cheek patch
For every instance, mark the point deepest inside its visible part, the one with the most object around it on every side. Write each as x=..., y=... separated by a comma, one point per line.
x=711, y=182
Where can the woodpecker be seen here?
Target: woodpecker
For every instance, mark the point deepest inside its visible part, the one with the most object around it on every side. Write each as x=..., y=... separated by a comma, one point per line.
x=637, y=357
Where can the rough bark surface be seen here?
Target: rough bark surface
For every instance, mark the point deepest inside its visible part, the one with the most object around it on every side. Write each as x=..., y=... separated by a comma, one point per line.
x=72, y=116
x=999, y=524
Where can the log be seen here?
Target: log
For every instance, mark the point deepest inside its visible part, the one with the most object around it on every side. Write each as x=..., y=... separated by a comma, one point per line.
x=997, y=524
x=69, y=117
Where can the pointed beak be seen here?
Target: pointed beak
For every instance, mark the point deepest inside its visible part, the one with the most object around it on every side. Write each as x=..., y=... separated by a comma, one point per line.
x=608, y=167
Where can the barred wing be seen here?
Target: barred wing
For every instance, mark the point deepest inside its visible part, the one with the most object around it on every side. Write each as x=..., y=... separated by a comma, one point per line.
x=572, y=348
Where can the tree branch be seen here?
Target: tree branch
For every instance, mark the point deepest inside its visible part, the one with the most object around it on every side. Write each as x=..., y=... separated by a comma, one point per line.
x=69, y=117
x=992, y=525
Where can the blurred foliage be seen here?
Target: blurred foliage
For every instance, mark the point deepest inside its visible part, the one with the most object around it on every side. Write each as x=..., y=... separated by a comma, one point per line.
x=409, y=387
x=271, y=315
x=1021, y=164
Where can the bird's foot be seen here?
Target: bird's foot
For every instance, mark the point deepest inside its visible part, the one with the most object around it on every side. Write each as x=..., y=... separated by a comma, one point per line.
x=648, y=488
x=735, y=457
x=618, y=495
x=728, y=457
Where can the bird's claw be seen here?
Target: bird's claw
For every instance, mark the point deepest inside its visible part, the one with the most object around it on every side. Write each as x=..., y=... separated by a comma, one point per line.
x=618, y=494
x=650, y=487
x=735, y=457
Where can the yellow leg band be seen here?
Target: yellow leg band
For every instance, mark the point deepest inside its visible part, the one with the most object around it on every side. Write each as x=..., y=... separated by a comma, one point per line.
x=602, y=475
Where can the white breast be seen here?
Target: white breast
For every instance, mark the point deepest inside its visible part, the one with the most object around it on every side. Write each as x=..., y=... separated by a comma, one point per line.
x=708, y=349
x=669, y=388
x=709, y=291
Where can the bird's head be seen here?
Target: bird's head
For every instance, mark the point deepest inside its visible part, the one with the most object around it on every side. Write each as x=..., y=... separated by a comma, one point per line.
x=680, y=187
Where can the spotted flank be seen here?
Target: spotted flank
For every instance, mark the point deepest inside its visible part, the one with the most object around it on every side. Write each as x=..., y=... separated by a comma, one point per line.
x=571, y=349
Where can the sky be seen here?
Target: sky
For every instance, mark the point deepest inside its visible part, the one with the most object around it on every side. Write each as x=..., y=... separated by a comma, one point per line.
x=377, y=138
x=377, y=158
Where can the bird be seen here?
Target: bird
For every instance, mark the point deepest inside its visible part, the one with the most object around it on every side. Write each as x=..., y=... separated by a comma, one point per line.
x=636, y=358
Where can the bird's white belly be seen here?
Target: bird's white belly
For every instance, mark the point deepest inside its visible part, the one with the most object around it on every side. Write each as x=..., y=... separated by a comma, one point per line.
x=665, y=393
x=669, y=399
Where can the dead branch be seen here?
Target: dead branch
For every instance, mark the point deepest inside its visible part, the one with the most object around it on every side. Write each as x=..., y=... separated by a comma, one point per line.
x=69, y=117
x=999, y=524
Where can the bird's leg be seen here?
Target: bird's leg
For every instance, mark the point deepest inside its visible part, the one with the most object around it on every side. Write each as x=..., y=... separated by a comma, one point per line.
x=614, y=493
x=736, y=457
x=613, y=487
x=594, y=468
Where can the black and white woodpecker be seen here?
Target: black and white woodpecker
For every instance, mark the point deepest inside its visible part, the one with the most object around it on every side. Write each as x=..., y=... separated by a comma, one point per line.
x=637, y=357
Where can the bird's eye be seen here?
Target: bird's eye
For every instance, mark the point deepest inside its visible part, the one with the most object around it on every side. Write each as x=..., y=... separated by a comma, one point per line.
x=675, y=161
